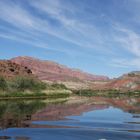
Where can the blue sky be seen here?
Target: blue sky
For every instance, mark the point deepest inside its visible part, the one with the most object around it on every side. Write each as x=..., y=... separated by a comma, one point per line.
x=98, y=36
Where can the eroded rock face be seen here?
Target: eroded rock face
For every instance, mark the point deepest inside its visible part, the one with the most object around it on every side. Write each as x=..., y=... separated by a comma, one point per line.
x=51, y=71
x=126, y=82
x=54, y=72
x=130, y=81
x=10, y=69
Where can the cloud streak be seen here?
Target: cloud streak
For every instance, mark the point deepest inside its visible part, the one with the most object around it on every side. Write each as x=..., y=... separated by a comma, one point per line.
x=129, y=40
x=73, y=24
x=71, y=30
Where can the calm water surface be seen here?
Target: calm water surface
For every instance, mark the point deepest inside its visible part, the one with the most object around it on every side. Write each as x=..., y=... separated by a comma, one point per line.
x=77, y=118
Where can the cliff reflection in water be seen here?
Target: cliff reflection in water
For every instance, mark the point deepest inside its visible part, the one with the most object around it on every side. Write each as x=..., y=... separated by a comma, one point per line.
x=22, y=113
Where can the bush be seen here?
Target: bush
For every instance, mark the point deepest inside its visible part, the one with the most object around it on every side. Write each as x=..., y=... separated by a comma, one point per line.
x=86, y=92
x=106, y=93
x=28, y=87
x=58, y=86
x=3, y=83
x=27, y=83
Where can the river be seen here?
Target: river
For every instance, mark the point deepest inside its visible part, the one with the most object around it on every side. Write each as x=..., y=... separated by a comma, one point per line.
x=76, y=118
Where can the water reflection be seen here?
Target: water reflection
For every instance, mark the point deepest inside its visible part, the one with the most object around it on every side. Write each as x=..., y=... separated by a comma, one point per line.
x=18, y=113
x=14, y=113
x=108, y=115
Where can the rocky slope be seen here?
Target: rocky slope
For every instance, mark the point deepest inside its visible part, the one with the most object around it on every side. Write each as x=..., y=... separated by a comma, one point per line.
x=51, y=71
x=129, y=81
x=10, y=69
x=54, y=72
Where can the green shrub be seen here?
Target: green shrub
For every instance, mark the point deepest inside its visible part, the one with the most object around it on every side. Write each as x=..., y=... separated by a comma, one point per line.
x=106, y=93
x=86, y=92
x=27, y=83
x=58, y=86
x=3, y=83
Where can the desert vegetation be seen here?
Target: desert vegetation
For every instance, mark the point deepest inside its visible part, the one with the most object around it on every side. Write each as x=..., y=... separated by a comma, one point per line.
x=23, y=86
x=107, y=93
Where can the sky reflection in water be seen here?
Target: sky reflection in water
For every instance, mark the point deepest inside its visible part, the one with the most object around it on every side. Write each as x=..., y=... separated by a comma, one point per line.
x=110, y=119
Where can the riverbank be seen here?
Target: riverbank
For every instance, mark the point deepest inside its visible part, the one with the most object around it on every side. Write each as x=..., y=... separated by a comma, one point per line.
x=29, y=87
x=20, y=87
x=106, y=93
x=42, y=95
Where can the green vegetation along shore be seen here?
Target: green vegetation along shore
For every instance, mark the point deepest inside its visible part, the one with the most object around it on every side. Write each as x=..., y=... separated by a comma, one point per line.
x=22, y=87
x=30, y=87
x=106, y=93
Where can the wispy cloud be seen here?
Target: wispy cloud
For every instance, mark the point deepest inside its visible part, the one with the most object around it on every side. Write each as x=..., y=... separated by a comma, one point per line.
x=15, y=15
x=71, y=29
x=70, y=23
x=56, y=10
x=126, y=63
x=129, y=41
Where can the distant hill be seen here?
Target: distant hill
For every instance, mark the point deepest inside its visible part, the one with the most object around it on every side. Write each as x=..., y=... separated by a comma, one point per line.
x=52, y=71
x=10, y=69
x=129, y=81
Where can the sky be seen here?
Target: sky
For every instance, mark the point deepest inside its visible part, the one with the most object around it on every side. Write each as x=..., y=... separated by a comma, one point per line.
x=97, y=36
